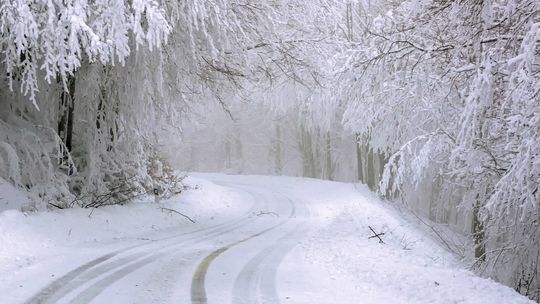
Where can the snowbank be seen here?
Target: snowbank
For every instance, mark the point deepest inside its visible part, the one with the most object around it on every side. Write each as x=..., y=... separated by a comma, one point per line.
x=11, y=197
x=25, y=238
x=411, y=266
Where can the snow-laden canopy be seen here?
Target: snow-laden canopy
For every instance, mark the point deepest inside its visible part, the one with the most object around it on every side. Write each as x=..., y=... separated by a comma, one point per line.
x=432, y=102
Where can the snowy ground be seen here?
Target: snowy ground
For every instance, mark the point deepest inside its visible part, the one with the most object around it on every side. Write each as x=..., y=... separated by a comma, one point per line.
x=256, y=239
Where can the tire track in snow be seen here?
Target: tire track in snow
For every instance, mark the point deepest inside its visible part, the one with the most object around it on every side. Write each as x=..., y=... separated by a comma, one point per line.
x=256, y=282
x=92, y=269
x=96, y=288
x=60, y=287
x=198, y=289
x=92, y=291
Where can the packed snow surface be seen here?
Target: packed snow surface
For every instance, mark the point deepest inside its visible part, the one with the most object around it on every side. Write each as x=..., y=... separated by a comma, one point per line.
x=256, y=239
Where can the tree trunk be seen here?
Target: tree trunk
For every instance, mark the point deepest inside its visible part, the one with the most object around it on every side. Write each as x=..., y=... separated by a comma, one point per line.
x=308, y=157
x=370, y=170
x=359, y=162
x=277, y=153
x=228, y=154
x=67, y=107
x=478, y=232
x=329, y=163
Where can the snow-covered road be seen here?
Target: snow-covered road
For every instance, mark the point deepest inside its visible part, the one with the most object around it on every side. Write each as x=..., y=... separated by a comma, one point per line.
x=266, y=240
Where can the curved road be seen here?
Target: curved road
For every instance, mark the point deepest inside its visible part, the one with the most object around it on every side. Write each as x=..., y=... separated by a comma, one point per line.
x=234, y=261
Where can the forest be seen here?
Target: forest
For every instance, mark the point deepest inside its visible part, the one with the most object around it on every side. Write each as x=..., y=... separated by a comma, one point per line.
x=433, y=104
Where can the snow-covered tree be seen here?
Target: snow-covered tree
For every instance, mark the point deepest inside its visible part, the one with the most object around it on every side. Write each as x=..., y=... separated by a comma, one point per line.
x=105, y=77
x=449, y=90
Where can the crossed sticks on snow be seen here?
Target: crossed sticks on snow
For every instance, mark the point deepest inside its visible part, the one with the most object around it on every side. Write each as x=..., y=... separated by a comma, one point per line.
x=376, y=235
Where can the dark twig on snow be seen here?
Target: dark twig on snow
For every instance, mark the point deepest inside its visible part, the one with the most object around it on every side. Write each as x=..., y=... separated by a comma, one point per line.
x=376, y=235
x=55, y=205
x=267, y=213
x=172, y=210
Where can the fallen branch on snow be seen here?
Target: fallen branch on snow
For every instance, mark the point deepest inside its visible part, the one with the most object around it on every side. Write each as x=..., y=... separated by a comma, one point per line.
x=172, y=210
x=267, y=213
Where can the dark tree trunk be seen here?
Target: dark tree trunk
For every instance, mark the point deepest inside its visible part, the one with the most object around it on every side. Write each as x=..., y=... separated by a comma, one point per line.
x=67, y=107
